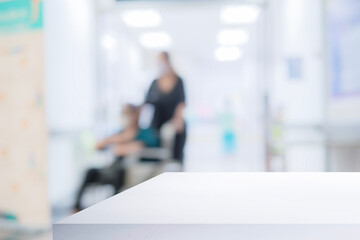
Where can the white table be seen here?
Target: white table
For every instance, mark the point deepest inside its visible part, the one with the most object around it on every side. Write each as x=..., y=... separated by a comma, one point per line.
x=209, y=206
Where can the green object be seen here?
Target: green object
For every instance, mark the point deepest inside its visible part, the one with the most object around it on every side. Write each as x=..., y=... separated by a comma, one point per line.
x=20, y=15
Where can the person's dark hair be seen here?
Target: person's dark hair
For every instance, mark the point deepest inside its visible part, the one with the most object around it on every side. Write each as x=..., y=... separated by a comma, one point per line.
x=166, y=54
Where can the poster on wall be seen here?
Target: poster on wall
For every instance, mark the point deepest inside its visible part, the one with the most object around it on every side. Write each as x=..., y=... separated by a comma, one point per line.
x=343, y=23
x=23, y=138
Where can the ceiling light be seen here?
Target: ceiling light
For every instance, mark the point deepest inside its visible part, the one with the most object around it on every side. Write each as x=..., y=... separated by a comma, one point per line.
x=227, y=53
x=155, y=40
x=239, y=14
x=233, y=37
x=142, y=18
x=108, y=42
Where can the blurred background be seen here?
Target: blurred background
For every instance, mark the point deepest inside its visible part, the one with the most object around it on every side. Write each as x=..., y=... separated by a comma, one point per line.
x=270, y=85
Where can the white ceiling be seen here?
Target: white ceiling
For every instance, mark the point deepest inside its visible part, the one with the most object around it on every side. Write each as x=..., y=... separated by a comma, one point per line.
x=192, y=26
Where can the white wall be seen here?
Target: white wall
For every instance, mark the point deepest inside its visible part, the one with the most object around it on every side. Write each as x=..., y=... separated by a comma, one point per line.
x=70, y=68
x=344, y=111
x=343, y=106
x=70, y=84
x=297, y=33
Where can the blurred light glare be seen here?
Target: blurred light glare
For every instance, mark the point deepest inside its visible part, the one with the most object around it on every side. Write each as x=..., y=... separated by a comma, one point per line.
x=239, y=14
x=227, y=53
x=108, y=42
x=142, y=18
x=155, y=40
x=233, y=37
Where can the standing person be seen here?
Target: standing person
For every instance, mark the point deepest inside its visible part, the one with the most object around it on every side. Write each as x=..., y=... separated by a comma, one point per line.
x=167, y=95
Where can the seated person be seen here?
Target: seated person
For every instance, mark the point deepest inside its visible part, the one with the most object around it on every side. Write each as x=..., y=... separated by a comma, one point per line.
x=130, y=140
x=136, y=135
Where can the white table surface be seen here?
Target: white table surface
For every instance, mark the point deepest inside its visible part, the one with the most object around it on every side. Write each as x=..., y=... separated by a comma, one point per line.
x=225, y=206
